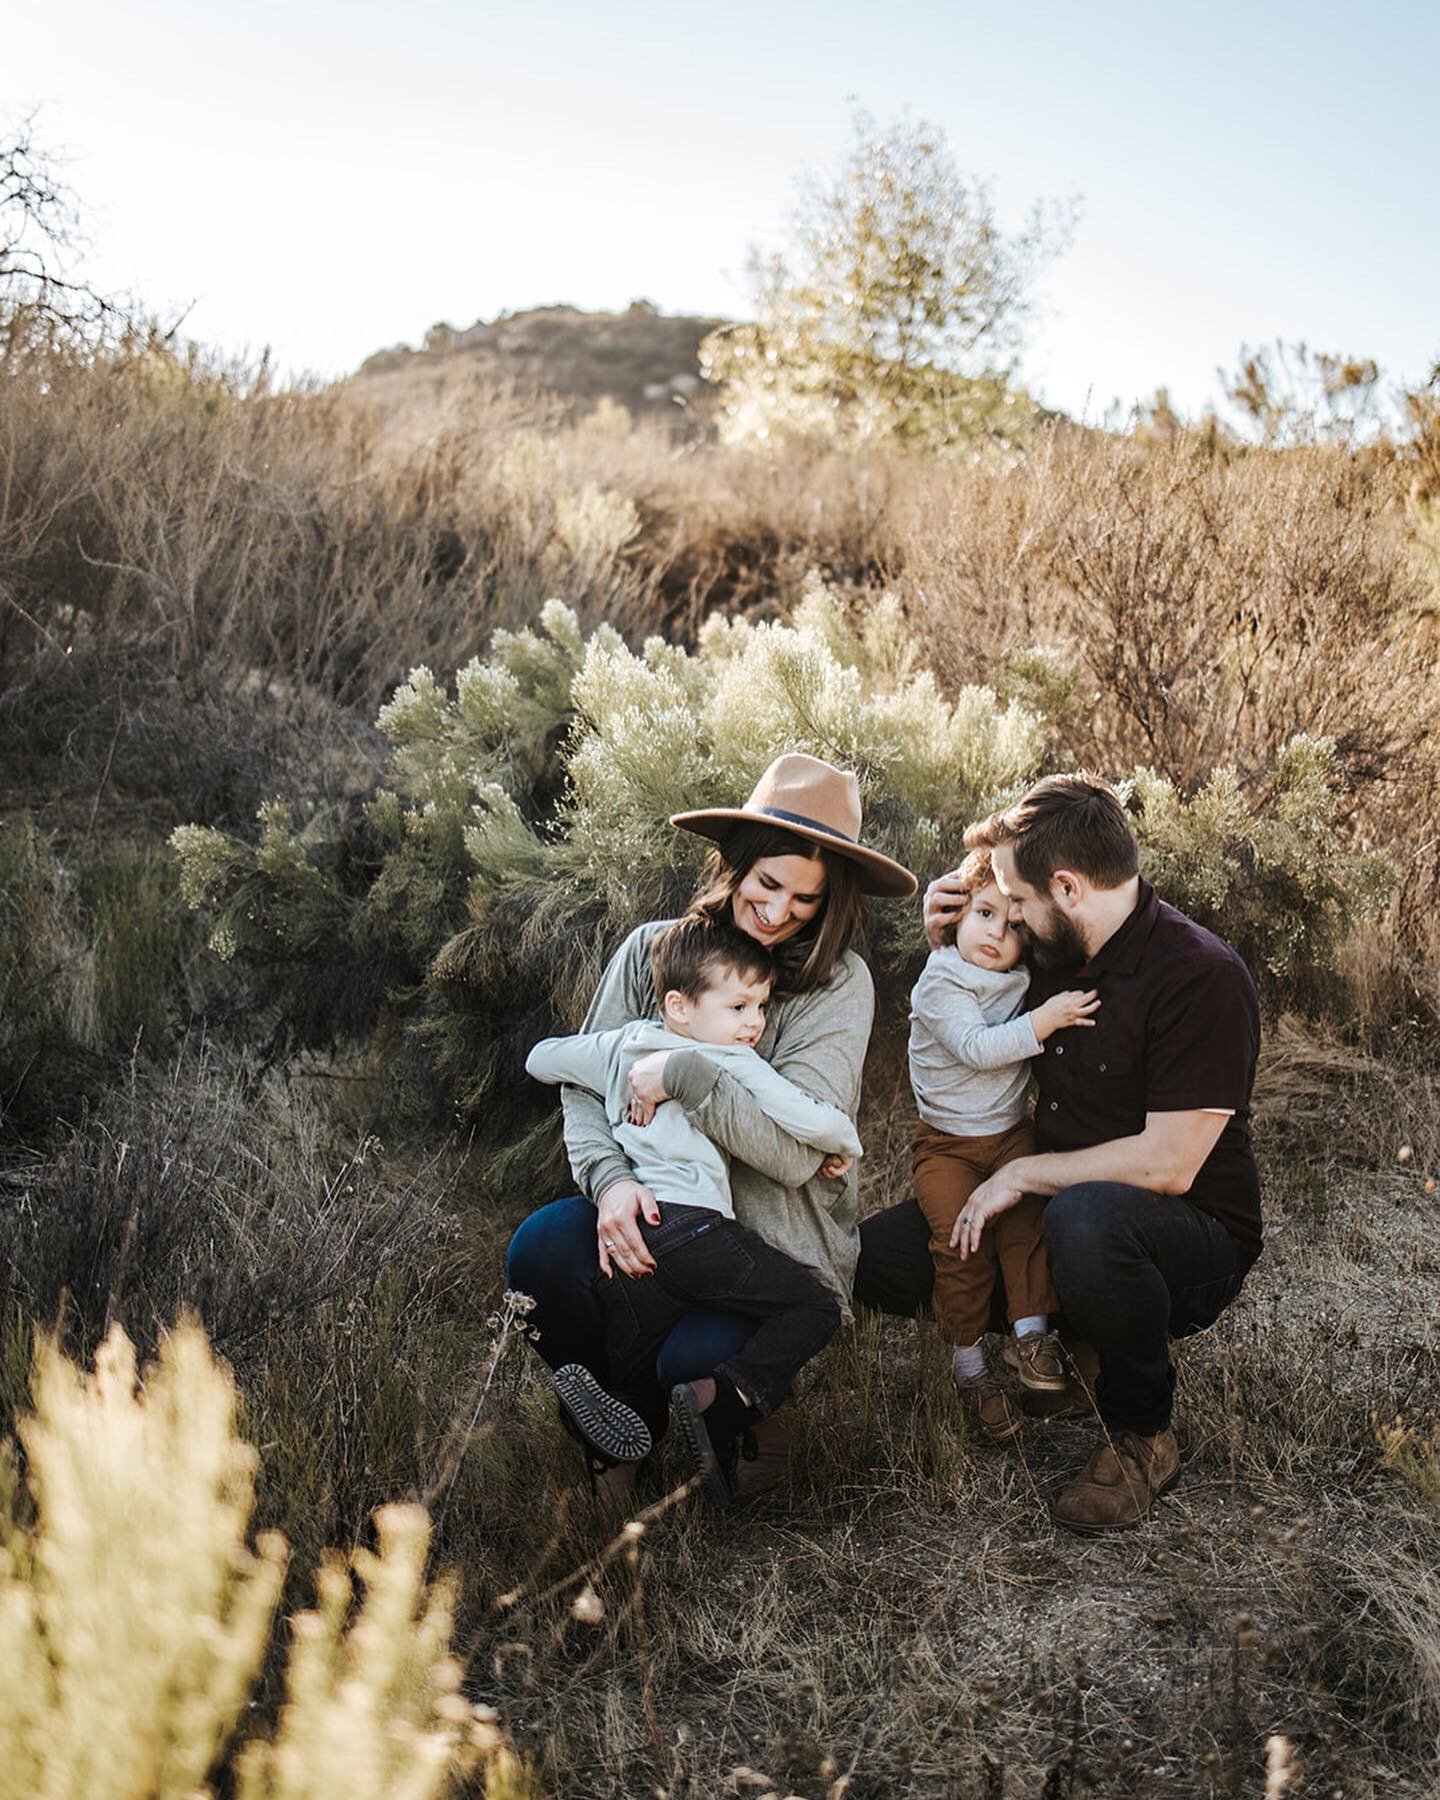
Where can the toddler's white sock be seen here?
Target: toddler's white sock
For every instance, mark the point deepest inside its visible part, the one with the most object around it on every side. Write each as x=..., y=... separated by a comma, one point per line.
x=969, y=1362
x=1034, y=1322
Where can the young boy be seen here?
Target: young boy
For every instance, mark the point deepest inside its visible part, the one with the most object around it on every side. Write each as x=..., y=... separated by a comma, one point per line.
x=712, y=981
x=970, y=1045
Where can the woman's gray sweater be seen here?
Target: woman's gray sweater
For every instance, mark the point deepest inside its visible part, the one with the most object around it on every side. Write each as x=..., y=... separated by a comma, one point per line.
x=817, y=1040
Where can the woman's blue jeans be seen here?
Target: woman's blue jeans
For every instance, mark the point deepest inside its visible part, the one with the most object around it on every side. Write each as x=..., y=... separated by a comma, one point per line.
x=552, y=1258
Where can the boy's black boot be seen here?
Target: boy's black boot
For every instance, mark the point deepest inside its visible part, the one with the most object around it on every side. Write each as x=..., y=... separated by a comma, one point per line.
x=711, y=1438
x=613, y=1430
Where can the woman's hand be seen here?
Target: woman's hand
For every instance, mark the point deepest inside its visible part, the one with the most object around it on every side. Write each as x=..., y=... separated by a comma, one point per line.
x=944, y=903
x=617, y=1228
x=647, y=1087
x=835, y=1165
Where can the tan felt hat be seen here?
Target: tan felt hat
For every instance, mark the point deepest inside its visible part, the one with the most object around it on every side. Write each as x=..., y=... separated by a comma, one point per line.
x=813, y=800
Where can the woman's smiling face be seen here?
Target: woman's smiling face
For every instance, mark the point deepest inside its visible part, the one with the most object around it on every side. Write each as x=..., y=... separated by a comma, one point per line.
x=778, y=896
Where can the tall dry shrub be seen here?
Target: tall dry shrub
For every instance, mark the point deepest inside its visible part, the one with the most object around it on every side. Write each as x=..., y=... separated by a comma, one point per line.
x=333, y=1273
x=276, y=535
x=1215, y=605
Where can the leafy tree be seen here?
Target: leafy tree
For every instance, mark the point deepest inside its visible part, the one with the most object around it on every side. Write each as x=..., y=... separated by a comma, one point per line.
x=897, y=308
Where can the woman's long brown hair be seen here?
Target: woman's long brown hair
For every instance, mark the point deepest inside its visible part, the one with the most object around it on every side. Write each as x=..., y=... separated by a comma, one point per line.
x=808, y=959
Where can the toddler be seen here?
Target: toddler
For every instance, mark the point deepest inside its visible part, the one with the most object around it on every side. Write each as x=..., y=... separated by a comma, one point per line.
x=712, y=982
x=970, y=1045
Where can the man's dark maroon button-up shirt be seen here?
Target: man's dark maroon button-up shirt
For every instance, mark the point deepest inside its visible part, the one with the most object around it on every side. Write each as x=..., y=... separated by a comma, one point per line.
x=1178, y=1030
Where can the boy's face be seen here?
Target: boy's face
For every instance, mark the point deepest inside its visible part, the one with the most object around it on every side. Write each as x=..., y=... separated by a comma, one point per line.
x=730, y=1011
x=985, y=935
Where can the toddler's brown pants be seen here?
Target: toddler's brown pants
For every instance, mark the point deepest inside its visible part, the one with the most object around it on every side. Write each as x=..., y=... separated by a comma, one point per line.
x=1012, y=1248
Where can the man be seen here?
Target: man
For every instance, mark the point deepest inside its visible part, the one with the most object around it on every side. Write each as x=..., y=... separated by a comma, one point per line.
x=1142, y=1126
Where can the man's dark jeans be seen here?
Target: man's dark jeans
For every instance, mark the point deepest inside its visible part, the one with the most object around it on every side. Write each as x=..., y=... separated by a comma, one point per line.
x=1133, y=1270
x=702, y=1258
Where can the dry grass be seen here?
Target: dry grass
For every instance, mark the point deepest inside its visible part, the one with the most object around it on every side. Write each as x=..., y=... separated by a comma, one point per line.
x=907, y=1615
x=206, y=587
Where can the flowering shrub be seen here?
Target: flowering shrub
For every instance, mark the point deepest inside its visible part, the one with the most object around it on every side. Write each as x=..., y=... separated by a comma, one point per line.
x=523, y=827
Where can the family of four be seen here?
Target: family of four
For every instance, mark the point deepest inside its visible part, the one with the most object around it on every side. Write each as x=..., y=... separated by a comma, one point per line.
x=710, y=1105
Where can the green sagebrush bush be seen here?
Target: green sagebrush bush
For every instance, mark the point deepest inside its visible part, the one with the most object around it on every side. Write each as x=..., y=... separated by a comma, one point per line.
x=1270, y=877
x=523, y=829
x=135, y=1616
x=523, y=826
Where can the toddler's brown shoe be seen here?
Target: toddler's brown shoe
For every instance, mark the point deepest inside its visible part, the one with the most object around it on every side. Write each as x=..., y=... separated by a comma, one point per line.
x=1120, y=1483
x=988, y=1404
x=1039, y=1359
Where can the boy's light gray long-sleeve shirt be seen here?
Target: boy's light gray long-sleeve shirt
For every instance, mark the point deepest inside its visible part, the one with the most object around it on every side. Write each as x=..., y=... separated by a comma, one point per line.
x=671, y=1155
x=815, y=1040
x=970, y=1045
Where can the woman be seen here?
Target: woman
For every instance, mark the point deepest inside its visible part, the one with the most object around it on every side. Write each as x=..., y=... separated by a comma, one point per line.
x=789, y=869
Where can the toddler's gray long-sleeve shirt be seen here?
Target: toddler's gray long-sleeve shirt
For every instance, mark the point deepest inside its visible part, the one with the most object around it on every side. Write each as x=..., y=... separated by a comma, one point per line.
x=970, y=1045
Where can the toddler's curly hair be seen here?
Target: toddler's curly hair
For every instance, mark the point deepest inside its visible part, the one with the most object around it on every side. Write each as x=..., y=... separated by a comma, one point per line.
x=977, y=871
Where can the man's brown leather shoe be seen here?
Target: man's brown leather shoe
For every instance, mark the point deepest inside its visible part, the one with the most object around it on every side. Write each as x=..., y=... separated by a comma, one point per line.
x=1118, y=1485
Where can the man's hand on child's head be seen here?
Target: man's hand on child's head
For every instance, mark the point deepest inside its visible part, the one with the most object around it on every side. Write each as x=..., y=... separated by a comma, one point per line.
x=944, y=903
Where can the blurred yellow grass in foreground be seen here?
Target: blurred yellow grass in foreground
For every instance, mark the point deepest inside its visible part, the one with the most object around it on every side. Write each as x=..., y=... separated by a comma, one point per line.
x=134, y=1617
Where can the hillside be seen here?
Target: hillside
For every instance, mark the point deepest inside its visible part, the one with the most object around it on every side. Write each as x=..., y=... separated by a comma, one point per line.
x=643, y=359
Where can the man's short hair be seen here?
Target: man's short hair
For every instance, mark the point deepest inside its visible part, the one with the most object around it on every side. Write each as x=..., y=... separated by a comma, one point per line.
x=686, y=956
x=1064, y=822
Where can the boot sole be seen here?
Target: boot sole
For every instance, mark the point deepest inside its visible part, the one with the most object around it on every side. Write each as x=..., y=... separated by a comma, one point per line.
x=1037, y=1384
x=699, y=1451
x=610, y=1427
x=1121, y=1524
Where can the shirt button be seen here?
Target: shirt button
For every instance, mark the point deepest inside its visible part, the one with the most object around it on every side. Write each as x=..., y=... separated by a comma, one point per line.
x=1054, y=1106
x=1102, y=1068
x=1059, y=1049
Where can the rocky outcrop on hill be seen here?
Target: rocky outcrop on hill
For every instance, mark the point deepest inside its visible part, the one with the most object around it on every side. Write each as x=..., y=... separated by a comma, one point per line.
x=642, y=358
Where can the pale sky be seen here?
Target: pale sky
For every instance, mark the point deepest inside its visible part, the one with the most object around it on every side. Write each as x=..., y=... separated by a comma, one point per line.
x=328, y=178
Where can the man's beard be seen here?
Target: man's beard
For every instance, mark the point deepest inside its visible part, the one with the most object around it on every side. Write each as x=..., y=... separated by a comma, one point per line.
x=1057, y=944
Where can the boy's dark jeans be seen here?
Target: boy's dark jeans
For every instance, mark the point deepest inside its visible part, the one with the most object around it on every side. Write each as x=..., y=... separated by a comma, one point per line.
x=1132, y=1270
x=704, y=1259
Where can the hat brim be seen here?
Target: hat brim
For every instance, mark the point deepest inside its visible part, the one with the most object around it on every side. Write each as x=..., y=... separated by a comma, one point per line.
x=877, y=874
